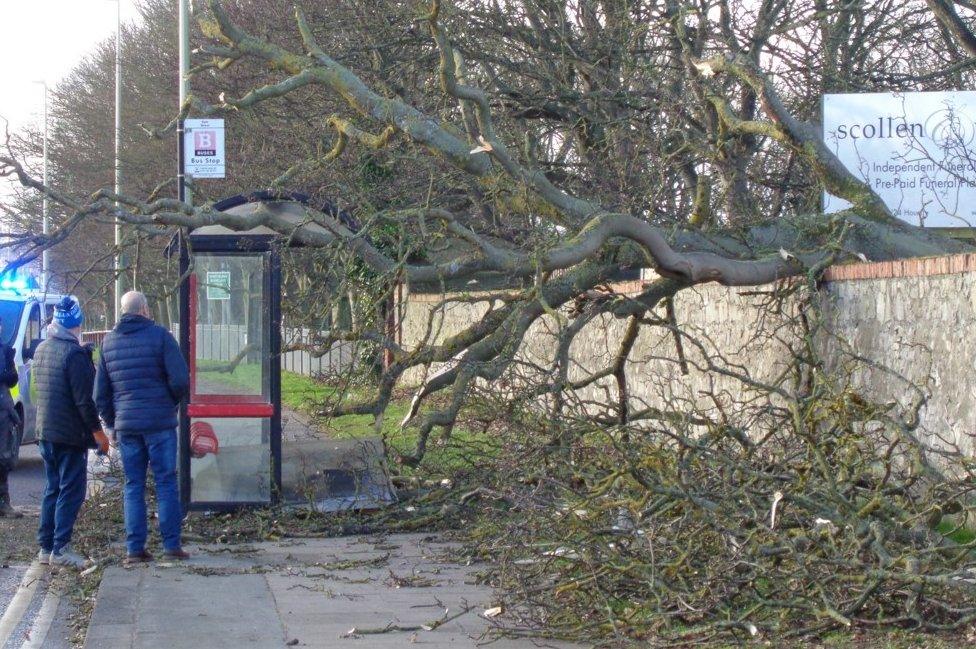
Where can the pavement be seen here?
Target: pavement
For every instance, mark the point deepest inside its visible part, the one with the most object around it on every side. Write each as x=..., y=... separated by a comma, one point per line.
x=400, y=590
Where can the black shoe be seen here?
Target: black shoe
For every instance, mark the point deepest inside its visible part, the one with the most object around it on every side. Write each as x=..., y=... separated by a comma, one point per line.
x=137, y=558
x=176, y=555
x=7, y=511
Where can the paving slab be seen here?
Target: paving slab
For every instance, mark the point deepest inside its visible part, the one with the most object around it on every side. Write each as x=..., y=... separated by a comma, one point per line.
x=349, y=592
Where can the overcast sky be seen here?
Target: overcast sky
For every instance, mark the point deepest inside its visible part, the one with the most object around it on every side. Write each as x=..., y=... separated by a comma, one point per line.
x=43, y=39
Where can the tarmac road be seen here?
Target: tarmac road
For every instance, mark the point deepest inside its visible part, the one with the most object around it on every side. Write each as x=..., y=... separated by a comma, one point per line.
x=26, y=490
x=27, y=480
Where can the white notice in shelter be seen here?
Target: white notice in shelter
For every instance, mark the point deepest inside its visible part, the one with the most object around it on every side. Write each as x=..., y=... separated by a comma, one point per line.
x=218, y=285
x=203, y=148
x=917, y=151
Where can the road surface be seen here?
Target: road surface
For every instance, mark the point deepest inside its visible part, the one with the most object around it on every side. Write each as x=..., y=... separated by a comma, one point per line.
x=27, y=480
x=37, y=610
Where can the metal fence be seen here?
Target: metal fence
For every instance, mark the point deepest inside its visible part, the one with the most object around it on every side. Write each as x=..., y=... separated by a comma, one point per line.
x=340, y=358
x=93, y=337
x=226, y=342
x=219, y=342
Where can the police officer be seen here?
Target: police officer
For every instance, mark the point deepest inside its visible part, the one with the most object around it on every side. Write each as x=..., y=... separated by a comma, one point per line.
x=9, y=426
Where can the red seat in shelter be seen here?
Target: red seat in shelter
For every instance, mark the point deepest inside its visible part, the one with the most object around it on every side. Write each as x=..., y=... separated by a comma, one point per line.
x=203, y=439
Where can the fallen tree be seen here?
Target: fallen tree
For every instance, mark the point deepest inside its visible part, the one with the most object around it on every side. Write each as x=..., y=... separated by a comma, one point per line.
x=575, y=142
x=575, y=236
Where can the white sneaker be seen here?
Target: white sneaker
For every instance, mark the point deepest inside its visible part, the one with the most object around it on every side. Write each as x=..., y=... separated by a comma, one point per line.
x=43, y=557
x=65, y=557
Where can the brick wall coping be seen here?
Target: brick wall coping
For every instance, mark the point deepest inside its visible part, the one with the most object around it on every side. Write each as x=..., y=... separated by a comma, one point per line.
x=915, y=267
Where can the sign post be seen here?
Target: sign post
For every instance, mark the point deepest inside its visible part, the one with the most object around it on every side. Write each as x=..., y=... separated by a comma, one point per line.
x=916, y=150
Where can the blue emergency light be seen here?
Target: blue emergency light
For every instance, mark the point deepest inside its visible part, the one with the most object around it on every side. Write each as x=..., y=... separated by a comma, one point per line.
x=17, y=283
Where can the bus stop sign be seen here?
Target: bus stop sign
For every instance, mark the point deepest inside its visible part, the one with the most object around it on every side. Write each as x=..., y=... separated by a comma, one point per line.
x=203, y=148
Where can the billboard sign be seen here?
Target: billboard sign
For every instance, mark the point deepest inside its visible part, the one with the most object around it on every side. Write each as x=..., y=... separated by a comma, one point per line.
x=917, y=151
x=203, y=148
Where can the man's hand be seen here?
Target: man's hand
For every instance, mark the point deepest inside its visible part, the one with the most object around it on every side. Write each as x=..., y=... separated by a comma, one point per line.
x=102, y=440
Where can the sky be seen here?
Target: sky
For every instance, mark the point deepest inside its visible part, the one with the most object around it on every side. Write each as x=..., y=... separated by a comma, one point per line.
x=42, y=40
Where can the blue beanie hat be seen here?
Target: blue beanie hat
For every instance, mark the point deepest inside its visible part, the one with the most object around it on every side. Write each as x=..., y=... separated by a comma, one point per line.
x=68, y=313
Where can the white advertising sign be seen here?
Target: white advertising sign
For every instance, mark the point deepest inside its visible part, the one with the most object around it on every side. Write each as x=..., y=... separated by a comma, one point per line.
x=203, y=148
x=917, y=151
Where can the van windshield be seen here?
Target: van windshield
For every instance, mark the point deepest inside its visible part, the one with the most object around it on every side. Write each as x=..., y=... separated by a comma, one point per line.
x=10, y=317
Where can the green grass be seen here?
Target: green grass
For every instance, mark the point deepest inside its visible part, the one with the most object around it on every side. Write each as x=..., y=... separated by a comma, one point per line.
x=957, y=533
x=311, y=397
x=896, y=639
x=245, y=375
x=464, y=450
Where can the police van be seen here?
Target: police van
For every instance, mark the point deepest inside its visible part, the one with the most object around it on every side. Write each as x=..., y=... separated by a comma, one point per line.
x=25, y=312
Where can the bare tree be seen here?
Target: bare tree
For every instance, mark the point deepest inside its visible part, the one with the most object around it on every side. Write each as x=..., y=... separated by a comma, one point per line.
x=573, y=141
x=535, y=150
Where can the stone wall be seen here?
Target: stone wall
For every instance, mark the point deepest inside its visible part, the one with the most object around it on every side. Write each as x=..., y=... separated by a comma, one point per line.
x=915, y=318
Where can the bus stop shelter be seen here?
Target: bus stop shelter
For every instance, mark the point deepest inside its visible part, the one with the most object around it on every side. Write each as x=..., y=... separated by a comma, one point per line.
x=234, y=449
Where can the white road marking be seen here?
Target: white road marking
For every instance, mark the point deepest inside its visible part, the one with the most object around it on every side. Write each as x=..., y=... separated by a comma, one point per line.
x=21, y=600
x=42, y=623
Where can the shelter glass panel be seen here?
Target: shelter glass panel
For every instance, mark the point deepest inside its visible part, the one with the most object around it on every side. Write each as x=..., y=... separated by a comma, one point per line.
x=230, y=355
x=230, y=459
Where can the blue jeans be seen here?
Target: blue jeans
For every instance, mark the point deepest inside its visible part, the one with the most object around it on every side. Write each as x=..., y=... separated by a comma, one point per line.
x=66, y=468
x=156, y=450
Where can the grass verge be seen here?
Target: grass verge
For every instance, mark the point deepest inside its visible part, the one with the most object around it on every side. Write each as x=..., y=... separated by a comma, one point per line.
x=465, y=449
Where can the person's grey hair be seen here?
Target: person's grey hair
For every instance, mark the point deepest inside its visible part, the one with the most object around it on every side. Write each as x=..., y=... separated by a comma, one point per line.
x=134, y=302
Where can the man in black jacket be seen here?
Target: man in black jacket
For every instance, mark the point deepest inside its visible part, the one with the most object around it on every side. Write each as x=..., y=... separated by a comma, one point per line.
x=9, y=426
x=67, y=425
x=142, y=378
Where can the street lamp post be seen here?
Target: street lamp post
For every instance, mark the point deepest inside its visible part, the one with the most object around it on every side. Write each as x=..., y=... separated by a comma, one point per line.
x=185, y=193
x=117, y=293
x=44, y=209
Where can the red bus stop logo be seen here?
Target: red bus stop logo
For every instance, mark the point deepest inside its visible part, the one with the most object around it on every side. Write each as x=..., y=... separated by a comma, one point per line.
x=205, y=143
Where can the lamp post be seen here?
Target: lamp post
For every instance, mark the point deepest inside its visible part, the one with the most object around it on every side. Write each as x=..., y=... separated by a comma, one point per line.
x=185, y=193
x=44, y=208
x=118, y=163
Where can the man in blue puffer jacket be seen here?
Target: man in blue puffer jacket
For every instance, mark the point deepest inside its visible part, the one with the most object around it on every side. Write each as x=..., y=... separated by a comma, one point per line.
x=141, y=380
